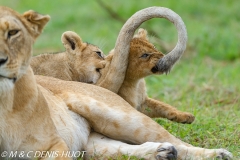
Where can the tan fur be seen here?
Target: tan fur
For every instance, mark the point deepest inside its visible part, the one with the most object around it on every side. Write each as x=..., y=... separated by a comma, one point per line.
x=36, y=117
x=80, y=62
x=133, y=87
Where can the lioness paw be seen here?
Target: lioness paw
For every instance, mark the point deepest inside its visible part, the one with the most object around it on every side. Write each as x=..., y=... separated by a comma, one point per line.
x=166, y=152
x=224, y=154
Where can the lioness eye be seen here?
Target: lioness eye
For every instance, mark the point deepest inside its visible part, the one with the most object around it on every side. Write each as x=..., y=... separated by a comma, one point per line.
x=12, y=33
x=145, y=55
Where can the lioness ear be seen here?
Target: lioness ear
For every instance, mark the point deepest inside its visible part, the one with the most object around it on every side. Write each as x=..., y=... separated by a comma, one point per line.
x=142, y=33
x=72, y=42
x=37, y=21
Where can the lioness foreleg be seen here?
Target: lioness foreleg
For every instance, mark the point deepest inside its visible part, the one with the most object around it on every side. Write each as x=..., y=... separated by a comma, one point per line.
x=103, y=147
x=154, y=108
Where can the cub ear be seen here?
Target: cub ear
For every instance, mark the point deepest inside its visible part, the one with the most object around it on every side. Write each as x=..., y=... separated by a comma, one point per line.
x=142, y=33
x=72, y=42
x=37, y=22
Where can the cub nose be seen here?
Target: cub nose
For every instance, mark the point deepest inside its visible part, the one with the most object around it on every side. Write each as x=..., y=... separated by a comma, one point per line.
x=2, y=61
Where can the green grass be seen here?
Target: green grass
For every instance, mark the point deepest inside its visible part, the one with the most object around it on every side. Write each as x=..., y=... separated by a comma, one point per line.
x=210, y=90
x=204, y=82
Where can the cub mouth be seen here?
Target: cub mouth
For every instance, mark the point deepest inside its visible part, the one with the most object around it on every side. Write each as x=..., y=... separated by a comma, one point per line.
x=14, y=79
x=155, y=69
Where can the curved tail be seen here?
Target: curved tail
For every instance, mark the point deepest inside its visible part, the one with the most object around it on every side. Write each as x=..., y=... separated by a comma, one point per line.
x=116, y=73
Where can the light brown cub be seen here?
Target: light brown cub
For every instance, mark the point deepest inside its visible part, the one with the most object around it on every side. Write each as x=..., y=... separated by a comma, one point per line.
x=143, y=58
x=80, y=62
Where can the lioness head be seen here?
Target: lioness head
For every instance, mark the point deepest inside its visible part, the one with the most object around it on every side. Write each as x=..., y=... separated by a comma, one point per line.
x=17, y=35
x=86, y=60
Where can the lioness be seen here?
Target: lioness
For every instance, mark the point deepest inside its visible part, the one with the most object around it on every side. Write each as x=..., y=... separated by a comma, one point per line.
x=36, y=116
x=33, y=118
x=142, y=61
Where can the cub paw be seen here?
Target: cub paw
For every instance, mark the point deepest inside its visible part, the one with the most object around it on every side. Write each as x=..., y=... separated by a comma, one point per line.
x=182, y=117
x=166, y=152
x=224, y=154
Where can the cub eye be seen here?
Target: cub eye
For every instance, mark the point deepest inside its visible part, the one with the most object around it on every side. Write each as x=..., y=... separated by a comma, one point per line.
x=12, y=33
x=145, y=55
x=99, y=54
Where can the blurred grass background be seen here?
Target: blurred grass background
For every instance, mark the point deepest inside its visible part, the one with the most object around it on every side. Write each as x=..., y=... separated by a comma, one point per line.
x=206, y=81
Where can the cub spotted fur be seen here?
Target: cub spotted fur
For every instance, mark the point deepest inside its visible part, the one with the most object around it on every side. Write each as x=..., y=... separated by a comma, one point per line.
x=80, y=62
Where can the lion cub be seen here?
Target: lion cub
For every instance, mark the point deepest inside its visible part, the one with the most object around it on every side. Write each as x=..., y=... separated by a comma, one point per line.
x=80, y=62
x=142, y=60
